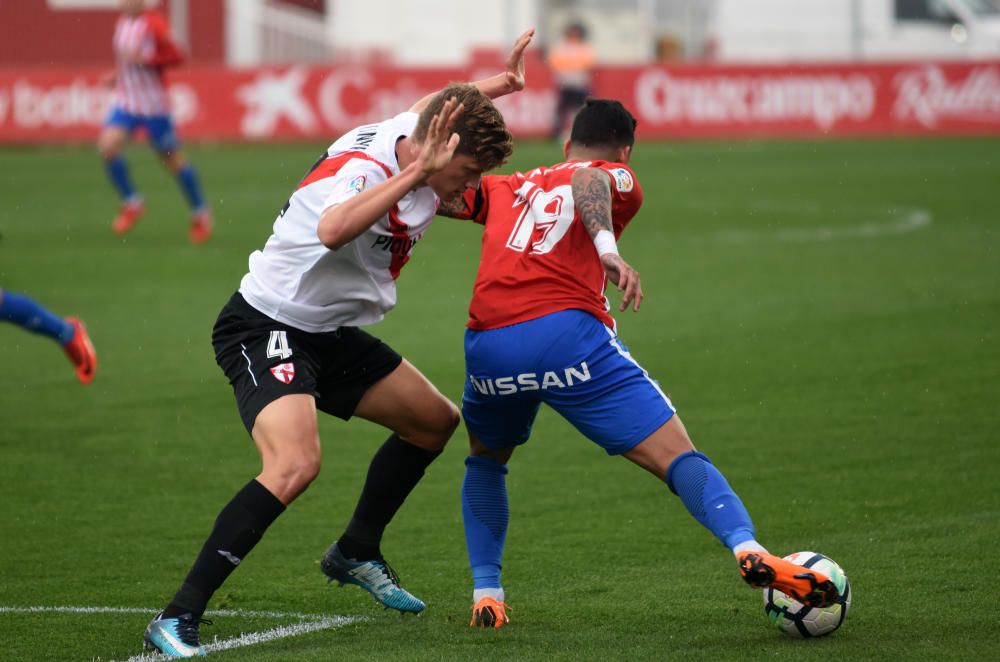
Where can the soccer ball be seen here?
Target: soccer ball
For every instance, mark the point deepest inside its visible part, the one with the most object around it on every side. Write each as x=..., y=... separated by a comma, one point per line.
x=795, y=619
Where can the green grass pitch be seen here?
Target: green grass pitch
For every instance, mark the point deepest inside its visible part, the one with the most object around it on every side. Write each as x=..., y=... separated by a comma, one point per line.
x=824, y=315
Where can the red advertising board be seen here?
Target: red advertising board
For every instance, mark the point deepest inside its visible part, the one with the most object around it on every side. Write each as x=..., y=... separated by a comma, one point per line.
x=676, y=102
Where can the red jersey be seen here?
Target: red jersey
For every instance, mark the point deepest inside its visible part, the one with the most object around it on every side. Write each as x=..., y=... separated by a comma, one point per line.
x=139, y=87
x=537, y=257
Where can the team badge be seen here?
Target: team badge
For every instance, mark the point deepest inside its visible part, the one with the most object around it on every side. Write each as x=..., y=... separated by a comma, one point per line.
x=357, y=184
x=623, y=179
x=284, y=372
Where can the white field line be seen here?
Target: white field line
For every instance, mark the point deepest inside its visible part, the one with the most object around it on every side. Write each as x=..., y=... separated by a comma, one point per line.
x=904, y=221
x=252, y=638
x=307, y=623
x=141, y=610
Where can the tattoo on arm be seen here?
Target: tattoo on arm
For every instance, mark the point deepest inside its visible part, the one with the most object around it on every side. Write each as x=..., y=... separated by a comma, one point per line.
x=592, y=197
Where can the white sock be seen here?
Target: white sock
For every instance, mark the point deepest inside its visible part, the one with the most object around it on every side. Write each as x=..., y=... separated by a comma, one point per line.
x=748, y=546
x=480, y=593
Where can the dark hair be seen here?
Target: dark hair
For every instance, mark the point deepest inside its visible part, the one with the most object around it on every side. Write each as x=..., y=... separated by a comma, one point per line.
x=603, y=123
x=482, y=131
x=578, y=28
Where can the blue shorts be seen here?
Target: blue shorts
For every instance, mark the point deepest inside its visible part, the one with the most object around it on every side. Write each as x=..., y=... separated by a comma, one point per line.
x=159, y=128
x=570, y=361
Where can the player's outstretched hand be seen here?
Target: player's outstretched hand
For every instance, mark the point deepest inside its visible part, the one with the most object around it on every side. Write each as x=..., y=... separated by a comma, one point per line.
x=440, y=144
x=625, y=278
x=515, y=61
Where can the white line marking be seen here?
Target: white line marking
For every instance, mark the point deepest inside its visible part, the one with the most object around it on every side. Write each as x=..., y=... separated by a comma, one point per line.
x=903, y=221
x=142, y=610
x=308, y=623
x=253, y=638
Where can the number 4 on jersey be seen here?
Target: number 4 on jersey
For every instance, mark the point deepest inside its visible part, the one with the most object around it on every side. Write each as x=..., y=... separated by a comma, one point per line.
x=277, y=345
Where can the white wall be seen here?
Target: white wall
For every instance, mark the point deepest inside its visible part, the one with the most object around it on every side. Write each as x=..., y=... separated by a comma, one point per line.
x=428, y=32
x=800, y=30
x=782, y=29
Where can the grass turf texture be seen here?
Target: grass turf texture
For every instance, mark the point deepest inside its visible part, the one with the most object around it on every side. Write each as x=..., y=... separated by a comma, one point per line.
x=834, y=362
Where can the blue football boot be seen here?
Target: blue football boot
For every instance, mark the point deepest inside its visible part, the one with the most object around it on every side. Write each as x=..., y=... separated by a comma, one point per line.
x=375, y=576
x=175, y=637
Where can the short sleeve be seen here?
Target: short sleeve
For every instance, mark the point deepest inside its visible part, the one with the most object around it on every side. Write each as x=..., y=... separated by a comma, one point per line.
x=626, y=194
x=353, y=177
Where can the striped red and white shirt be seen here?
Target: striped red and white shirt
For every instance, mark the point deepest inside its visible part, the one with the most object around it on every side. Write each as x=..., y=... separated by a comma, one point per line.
x=139, y=86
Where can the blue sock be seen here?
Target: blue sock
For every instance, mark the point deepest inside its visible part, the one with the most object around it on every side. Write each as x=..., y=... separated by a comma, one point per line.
x=26, y=312
x=117, y=171
x=188, y=179
x=485, y=513
x=708, y=497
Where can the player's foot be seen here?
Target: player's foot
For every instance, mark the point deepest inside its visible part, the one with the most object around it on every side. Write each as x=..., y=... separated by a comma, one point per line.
x=811, y=588
x=375, y=576
x=81, y=351
x=175, y=637
x=488, y=613
x=201, y=227
x=128, y=216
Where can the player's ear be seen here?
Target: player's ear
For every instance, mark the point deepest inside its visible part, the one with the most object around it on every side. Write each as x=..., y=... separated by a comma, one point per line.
x=566, y=149
x=624, y=154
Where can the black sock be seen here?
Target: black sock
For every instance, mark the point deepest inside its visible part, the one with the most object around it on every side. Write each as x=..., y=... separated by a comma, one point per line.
x=237, y=529
x=394, y=471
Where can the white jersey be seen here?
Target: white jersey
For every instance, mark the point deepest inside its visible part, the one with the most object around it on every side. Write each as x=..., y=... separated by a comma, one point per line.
x=300, y=282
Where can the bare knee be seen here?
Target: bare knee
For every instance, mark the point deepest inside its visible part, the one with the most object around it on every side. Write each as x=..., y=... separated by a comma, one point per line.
x=478, y=449
x=107, y=151
x=656, y=452
x=436, y=426
x=109, y=144
x=288, y=475
x=173, y=159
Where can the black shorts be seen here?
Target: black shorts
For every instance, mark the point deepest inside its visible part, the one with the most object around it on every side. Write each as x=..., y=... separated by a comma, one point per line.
x=265, y=360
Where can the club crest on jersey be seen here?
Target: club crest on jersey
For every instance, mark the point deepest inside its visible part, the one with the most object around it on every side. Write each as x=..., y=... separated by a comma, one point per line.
x=623, y=179
x=357, y=184
x=284, y=372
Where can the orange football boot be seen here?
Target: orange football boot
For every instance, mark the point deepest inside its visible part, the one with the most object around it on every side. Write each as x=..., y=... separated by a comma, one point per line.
x=488, y=613
x=201, y=227
x=811, y=588
x=128, y=216
x=81, y=352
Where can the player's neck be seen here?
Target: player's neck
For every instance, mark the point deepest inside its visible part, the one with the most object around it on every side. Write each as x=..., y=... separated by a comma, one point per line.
x=576, y=153
x=405, y=152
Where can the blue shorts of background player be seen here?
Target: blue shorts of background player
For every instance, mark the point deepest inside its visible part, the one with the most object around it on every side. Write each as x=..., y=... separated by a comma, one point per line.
x=159, y=128
x=118, y=127
x=570, y=361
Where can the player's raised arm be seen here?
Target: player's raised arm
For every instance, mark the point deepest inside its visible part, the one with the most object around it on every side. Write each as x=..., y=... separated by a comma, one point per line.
x=344, y=222
x=510, y=80
x=592, y=197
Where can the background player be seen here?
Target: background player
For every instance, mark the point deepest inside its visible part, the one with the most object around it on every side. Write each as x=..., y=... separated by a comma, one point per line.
x=290, y=343
x=143, y=50
x=70, y=332
x=539, y=331
x=572, y=61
